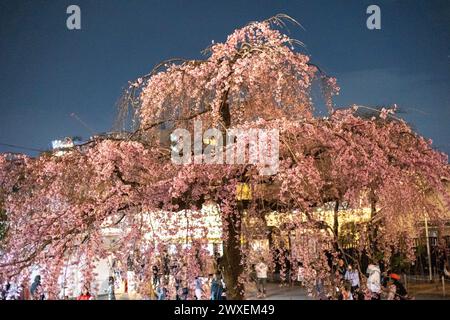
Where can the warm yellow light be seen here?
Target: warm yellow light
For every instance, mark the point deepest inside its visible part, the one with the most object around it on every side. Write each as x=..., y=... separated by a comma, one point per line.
x=243, y=191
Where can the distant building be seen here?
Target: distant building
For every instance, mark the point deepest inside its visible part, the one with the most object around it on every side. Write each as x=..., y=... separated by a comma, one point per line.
x=60, y=146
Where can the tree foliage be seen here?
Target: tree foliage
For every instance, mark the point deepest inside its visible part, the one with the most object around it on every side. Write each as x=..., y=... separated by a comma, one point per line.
x=59, y=206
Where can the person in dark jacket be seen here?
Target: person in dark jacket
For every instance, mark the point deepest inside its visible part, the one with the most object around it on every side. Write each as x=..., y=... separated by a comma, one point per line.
x=216, y=287
x=36, y=289
x=4, y=291
x=400, y=291
x=155, y=271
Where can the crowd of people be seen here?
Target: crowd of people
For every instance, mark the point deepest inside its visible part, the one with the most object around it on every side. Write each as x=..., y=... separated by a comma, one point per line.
x=10, y=291
x=171, y=280
x=377, y=285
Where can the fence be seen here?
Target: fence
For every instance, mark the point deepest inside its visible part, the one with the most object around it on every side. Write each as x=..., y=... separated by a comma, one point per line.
x=421, y=284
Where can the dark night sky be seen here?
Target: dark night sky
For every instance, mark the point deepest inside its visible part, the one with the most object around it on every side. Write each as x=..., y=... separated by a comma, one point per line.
x=47, y=72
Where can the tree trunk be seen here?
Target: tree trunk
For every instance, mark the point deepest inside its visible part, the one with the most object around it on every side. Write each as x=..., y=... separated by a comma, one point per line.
x=373, y=234
x=336, y=222
x=231, y=263
x=337, y=246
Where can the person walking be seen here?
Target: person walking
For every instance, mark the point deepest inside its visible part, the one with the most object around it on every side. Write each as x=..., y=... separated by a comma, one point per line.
x=155, y=272
x=4, y=291
x=13, y=292
x=85, y=295
x=198, y=288
x=166, y=263
x=340, y=270
x=391, y=290
x=161, y=291
x=24, y=292
x=352, y=275
x=261, y=278
x=400, y=290
x=36, y=289
x=184, y=282
x=216, y=287
x=346, y=292
x=374, y=281
x=111, y=289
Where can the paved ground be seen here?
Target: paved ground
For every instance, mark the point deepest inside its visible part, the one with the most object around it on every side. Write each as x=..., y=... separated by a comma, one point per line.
x=275, y=292
x=429, y=291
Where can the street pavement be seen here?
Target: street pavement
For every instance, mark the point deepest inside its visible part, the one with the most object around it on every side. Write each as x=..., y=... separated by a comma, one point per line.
x=276, y=292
